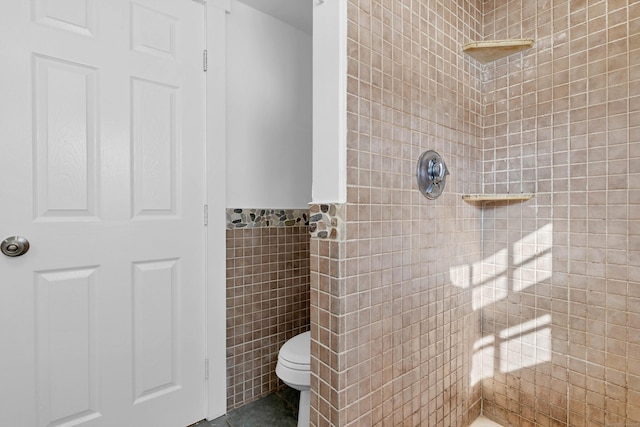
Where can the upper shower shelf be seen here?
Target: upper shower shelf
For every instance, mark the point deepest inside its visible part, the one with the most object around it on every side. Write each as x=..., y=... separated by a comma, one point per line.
x=488, y=51
x=518, y=197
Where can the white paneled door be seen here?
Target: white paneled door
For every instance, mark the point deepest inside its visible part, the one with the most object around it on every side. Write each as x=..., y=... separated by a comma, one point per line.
x=102, y=151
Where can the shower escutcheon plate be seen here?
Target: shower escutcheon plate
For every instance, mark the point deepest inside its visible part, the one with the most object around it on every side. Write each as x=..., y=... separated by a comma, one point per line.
x=431, y=174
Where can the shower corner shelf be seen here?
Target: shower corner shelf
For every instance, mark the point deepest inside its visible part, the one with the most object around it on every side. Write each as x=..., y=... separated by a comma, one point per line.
x=480, y=198
x=489, y=51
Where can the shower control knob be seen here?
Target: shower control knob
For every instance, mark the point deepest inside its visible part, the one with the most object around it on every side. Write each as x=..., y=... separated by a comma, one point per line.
x=14, y=246
x=431, y=173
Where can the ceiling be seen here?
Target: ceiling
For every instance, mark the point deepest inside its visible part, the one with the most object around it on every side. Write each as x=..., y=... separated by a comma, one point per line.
x=297, y=13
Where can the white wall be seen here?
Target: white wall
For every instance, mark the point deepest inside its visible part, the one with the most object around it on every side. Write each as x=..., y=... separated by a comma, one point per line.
x=329, y=101
x=269, y=112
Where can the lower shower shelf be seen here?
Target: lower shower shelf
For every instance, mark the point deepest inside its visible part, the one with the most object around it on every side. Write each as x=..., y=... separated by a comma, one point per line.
x=519, y=197
x=489, y=51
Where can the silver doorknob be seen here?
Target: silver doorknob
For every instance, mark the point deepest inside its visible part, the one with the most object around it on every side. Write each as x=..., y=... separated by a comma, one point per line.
x=14, y=246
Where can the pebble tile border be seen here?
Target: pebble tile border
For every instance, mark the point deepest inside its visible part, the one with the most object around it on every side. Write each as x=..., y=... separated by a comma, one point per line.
x=261, y=218
x=326, y=221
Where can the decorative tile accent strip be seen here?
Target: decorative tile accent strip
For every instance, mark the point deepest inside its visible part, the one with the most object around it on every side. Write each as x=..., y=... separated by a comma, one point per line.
x=261, y=218
x=326, y=221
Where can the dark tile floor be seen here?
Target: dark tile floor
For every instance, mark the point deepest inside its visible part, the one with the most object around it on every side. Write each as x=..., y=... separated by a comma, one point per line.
x=279, y=409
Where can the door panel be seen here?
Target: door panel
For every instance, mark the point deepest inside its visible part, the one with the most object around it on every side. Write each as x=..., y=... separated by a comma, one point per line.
x=65, y=169
x=156, y=359
x=103, y=146
x=153, y=32
x=78, y=16
x=66, y=353
x=155, y=148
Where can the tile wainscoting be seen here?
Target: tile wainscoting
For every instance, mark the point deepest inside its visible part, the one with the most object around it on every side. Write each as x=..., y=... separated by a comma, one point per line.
x=267, y=295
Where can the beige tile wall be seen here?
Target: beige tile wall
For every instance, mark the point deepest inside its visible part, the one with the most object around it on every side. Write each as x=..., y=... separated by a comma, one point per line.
x=392, y=320
x=267, y=303
x=556, y=279
x=561, y=299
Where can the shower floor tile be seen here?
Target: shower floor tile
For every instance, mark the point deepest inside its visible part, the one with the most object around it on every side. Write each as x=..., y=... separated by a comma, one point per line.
x=278, y=409
x=484, y=422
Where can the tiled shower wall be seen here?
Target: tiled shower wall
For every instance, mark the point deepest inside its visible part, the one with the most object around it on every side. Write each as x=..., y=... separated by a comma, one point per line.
x=393, y=323
x=561, y=306
x=267, y=302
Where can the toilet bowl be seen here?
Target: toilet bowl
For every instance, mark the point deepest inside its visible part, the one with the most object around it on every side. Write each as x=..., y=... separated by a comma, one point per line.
x=294, y=369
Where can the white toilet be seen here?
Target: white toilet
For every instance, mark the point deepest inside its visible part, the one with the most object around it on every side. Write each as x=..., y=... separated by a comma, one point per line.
x=294, y=369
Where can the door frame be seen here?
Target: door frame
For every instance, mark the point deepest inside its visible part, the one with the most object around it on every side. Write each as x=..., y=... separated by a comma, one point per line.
x=216, y=11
